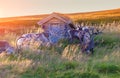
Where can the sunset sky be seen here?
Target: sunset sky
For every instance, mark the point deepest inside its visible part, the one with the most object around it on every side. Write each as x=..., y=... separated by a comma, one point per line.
x=10, y=8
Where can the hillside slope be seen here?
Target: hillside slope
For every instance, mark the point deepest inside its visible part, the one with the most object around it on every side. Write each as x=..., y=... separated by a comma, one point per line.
x=64, y=60
x=74, y=16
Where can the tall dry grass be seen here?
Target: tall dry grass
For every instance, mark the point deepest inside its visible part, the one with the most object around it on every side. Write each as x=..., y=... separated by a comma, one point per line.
x=64, y=59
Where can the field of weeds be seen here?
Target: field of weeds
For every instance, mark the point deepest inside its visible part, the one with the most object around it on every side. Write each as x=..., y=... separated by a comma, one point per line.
x=65, y=59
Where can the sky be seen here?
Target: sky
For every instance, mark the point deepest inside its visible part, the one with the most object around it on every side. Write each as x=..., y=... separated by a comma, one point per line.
x=11, y=8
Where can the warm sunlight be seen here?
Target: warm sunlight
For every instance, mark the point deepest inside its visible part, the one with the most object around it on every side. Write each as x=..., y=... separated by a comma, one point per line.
x=59, y=38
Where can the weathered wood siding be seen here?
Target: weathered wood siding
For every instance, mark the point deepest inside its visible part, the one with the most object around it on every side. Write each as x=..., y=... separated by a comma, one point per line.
x=52, y=22
x=57, y=28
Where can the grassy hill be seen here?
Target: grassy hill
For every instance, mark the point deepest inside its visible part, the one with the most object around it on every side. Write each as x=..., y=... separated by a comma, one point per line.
x=97, y=18
x=106, y=16
x=65, y=59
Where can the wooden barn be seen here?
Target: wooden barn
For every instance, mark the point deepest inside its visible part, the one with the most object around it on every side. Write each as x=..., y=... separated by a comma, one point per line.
x=56, y=25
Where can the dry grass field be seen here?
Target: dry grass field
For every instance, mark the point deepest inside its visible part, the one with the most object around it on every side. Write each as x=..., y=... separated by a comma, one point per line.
x=65, y=59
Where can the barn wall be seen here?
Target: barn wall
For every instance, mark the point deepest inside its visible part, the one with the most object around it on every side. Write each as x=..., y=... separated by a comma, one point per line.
x=53, y=20
x=56, y=29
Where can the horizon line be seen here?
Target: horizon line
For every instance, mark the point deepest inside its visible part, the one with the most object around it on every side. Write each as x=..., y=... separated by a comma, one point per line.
x=58, y=12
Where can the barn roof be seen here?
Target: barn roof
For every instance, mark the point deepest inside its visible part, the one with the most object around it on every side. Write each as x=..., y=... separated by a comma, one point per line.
x=59, y=16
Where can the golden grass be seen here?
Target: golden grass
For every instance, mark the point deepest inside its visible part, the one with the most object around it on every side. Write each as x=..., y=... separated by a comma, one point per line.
x=14, y=66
